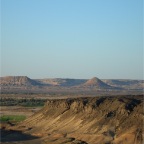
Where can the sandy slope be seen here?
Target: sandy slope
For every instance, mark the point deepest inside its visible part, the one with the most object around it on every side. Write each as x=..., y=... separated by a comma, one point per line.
x=101, y=120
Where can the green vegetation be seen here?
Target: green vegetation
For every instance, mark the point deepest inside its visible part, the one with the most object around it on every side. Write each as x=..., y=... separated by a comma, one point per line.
x=22, y=102
x=12, y=118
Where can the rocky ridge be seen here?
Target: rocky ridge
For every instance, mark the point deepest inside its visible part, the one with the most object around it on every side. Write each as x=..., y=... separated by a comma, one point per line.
x=105, y=120
x=14, y=82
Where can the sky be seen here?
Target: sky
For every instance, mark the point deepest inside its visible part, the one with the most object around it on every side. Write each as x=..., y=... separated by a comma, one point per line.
x=72, y=38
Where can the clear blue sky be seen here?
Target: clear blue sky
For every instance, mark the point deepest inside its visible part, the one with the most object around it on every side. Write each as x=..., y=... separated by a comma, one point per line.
x=72, y=38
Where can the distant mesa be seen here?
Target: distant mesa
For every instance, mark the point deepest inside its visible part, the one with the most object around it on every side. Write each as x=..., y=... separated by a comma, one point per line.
x=22, y=83
x=17, y=81
x=96, y=82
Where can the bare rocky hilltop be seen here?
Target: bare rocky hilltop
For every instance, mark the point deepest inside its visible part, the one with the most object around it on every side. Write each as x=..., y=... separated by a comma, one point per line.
x=23, y=84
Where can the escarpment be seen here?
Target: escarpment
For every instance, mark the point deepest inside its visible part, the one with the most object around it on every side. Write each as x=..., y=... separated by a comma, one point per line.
x=113, y=120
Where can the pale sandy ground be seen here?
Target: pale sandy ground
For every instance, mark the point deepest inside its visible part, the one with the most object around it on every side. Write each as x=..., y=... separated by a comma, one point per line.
x=18, y=110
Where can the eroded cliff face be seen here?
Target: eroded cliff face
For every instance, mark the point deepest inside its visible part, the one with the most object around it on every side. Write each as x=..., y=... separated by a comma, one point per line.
x=100, y=120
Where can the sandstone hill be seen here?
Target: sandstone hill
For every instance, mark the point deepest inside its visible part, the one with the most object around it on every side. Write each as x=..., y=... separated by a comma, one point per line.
x=61, y=82
x=97, y=83
x=17, y=81
x=127, y=84
x=99, y=120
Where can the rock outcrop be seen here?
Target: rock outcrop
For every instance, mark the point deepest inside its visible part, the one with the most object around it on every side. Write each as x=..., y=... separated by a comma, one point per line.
x=99, y=120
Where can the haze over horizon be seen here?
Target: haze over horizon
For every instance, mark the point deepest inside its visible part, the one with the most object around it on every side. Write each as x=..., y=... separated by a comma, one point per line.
x=72, y=39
